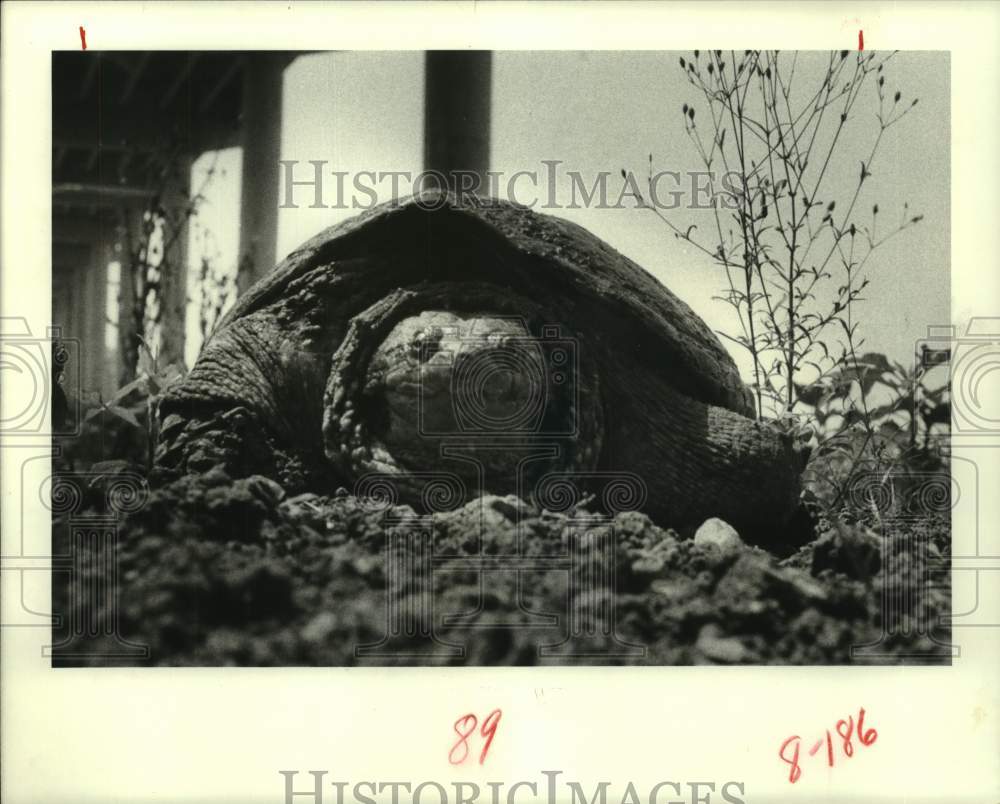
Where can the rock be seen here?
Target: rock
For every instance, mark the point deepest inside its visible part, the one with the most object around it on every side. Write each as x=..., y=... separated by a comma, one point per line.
x=510, y=507
x=755, y=577
x=490, y=517
x=719, y=648
x=215, y=477
x=320, y=627
x=227, y=642
x=265, y=489
x=651, y=562
x=853, y=551
x=721, y=534
x=806, y=586
x=305, y=508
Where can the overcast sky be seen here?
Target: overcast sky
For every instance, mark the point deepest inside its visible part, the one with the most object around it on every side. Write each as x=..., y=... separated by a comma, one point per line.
x=599, y=111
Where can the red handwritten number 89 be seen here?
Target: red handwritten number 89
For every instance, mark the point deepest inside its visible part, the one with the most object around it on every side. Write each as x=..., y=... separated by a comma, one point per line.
x=464, y=727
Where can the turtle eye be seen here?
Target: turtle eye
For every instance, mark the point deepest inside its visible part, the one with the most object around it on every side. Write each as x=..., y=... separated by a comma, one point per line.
x=425, y=343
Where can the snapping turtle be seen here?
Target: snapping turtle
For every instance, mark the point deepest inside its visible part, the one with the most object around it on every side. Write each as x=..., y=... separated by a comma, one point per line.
x=450, y=348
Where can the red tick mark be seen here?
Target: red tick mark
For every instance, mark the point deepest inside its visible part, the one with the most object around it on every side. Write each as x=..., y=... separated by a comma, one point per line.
x=83, y=38
x=861, y=40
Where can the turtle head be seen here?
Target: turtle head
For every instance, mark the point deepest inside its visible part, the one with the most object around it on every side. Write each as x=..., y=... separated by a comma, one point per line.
x=469, y=385
x=442, y=376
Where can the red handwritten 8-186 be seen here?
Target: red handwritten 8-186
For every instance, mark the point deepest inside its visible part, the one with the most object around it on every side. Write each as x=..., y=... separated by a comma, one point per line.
x=465, y=727
x=789, y=751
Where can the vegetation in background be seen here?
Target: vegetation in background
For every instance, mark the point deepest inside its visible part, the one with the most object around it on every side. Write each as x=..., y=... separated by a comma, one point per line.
x=119, y=433
x=796, y=253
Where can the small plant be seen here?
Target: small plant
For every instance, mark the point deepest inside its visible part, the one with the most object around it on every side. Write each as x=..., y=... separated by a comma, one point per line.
x=794, y=244
x=890, y=433
x=151, y=314
x=135, y=402
x=150, y=327
x=793, y=254
x=215, y=290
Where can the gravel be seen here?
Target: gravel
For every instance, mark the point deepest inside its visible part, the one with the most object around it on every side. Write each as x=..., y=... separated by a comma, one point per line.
x=216, y=571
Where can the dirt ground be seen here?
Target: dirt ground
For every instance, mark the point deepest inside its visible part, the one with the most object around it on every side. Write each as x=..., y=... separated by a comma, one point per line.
x=216, y=571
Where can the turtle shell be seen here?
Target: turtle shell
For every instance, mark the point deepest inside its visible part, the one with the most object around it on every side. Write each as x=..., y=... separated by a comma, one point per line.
x=293, y=383
x=559, y=255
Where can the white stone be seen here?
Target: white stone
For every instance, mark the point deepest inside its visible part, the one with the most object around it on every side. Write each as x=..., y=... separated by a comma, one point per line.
x=720, y=533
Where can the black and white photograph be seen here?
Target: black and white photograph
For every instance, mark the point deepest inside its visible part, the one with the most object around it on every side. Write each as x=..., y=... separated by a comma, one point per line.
x=491, y=358
x=499, y=403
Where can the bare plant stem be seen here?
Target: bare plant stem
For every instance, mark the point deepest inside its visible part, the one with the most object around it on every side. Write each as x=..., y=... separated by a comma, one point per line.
x=783, y=320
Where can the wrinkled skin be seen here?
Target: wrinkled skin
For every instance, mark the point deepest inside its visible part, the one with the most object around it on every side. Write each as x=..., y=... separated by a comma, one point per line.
x=322, y=377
